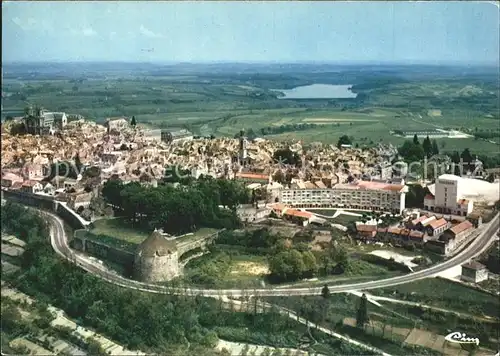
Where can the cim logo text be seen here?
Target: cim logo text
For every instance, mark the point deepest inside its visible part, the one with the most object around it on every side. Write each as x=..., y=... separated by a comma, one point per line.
x=461, y=338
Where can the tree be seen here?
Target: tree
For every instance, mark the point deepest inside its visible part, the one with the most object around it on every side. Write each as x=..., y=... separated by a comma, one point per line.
x=310, y=264
x=78, y=163
x=287, y=265
x=344, y=140
x=415, y=139
x=466, y=157
x=9, y=118
x=427, y=146
x=435, y=148
x=325, y=292
x=133, y=122
x=411, y=152
x=362, y=313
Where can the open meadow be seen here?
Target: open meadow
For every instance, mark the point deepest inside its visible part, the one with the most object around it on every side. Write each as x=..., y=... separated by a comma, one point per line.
x=220, y=99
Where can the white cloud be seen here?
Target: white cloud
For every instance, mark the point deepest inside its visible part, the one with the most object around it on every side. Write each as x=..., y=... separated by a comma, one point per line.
x=148, y=33
x=112, y=35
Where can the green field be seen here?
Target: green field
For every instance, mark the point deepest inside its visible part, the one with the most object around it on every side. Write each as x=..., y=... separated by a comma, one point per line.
x=118, y=229
x=445, y=294
x=219, y=100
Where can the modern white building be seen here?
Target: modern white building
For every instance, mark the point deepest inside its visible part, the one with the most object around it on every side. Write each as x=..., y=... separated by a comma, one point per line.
x=448, y=196
x=361, y=195
x=465, y=191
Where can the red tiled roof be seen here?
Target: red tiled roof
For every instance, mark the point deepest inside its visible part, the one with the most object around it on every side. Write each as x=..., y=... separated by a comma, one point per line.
x=404, y=232
x=11, y=176
x=394, y=230
x=252, y=176
x=417, y=234
x=380, y=186
x=16, y=185
x=298, y=213
x=29, y=183
x=429, y=197
x=462, y=202
x=366, y=228
x=438, y=223
x=463, y=226
x=420, y=219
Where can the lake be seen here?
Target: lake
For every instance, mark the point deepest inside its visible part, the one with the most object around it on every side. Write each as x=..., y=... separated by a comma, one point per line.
x=318, y=91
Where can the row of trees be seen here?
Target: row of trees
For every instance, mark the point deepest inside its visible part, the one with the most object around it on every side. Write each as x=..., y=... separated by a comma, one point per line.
x=178, y=209
x=276, y=130
x=413, y=151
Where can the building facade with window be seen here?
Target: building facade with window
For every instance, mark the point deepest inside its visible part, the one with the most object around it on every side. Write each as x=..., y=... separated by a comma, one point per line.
x=361, y=195
x=448, y=197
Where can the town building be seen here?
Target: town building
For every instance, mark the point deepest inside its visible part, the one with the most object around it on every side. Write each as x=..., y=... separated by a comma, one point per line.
x=457, y=195
x=448, y=197
x=31, y=186
x=175, y=136
x=253, y=177
x=451, y=239
x=363, y=195
x=32, y=171
x=42, y=122
x=474, y=272
x=437, y=227
x=366, y=232
x=296, y=216
x=8, y=179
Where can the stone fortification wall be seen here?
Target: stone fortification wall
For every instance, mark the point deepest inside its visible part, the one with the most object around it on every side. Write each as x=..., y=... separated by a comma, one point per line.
x=157, y=268
x=102, y=251
x=37, y=201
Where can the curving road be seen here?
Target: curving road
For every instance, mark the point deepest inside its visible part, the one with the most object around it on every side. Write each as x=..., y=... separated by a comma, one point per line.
x=59, y=241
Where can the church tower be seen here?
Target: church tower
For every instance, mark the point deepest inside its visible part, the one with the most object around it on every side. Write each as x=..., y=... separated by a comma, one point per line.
x=243, y=148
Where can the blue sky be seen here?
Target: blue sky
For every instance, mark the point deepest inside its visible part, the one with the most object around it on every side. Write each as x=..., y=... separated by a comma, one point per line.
x=251, y=31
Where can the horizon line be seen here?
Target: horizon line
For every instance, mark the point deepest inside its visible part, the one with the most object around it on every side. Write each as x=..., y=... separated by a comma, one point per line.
x=262, y=62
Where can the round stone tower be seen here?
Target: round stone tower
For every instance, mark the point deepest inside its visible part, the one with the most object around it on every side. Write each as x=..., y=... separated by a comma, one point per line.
x=156, y=259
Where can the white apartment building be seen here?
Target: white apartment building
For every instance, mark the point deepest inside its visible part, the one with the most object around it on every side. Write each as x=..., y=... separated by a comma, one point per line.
x=448, y=197
x=360, y=195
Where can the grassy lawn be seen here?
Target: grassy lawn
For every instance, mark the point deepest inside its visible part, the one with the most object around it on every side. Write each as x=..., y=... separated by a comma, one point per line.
x=445, y=294
x=326, y=212
x=227, y=269
x=344, y=219
x=119, y=229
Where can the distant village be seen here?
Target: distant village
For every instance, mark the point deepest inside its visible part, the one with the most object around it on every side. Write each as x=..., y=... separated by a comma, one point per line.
x=326, y=176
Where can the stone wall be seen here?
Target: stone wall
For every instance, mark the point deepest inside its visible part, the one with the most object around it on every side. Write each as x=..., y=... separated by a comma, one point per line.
x=69, y=218
x=157, y=268
x=200, y=242
x=102, y=250
x=37, y=201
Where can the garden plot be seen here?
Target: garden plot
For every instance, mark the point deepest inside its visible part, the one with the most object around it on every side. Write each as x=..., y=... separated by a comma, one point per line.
x=406, y=260
x=12, y=251
x=13, y=240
